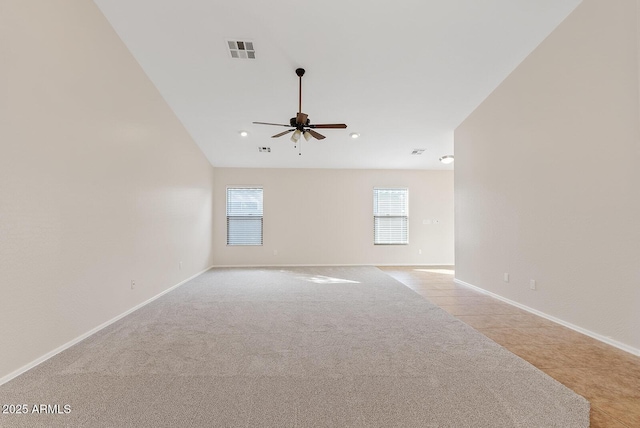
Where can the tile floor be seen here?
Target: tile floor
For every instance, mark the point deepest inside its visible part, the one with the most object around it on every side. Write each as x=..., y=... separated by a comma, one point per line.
x=606, y=376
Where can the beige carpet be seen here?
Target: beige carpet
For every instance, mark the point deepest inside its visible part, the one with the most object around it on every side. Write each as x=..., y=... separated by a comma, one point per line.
x=299, y=347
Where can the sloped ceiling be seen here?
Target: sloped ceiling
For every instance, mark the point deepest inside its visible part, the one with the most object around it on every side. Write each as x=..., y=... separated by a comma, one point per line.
x=403, y=74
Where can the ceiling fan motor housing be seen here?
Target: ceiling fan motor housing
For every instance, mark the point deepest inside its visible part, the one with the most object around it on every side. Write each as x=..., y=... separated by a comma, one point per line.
x=294, y=123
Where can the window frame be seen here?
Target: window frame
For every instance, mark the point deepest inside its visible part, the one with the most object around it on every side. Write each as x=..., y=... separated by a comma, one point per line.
x=230, y=218
x=398, y=215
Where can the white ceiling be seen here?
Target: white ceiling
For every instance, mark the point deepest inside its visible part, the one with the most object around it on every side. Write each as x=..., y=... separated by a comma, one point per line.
x=403, y=74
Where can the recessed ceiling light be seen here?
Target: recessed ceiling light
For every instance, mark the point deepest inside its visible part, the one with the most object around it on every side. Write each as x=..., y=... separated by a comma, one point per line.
x=446, y=159
x=354, y=135
x=243, y=133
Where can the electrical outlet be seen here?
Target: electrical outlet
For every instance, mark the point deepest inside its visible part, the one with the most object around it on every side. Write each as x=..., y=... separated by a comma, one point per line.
x=419, y=251
x=133, y=284
x=506, y=277
x=275, y=252
x=180, y=265
x=532, y=284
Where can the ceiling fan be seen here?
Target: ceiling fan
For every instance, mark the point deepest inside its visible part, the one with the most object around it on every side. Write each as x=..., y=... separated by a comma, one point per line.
x=301, y=125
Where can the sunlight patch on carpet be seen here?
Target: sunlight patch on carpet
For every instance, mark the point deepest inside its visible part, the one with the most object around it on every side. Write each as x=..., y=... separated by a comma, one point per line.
x=321, y=279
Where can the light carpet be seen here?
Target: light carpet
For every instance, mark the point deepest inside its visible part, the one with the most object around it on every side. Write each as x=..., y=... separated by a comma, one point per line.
x=295, y=347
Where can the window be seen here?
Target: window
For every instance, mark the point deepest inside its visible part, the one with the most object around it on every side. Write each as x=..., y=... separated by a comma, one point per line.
x=390, y=216
x=244, y=216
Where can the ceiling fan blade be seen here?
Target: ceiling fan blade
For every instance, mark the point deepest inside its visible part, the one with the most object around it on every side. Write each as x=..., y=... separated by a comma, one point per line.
x=283, y=133
x=328, y=125
x=274, y=124
x=316, y=135
x=301, y=119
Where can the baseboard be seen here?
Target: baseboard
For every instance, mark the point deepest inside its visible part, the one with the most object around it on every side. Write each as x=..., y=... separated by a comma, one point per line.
x=331, y=265
x=80, y=338
x=430, y=265
x=584, y=331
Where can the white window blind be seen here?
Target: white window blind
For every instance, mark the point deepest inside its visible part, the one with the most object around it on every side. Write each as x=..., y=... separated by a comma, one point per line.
x=244, y=216
x=390, y=216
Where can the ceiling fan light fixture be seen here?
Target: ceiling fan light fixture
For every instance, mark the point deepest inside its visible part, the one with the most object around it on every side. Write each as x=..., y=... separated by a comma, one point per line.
x=354, y=135
x=307, y=135
x=296, y=136
x=243, y=133
x=447, y=159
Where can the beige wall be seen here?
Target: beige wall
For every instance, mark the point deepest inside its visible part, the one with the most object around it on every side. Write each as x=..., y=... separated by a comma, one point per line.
x=323, y=216
x=547, y=178
x=99, y=182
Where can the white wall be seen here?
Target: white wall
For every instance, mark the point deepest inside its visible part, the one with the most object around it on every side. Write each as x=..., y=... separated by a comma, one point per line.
x=99, y=182
x=547, y=177
x=324, y=216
